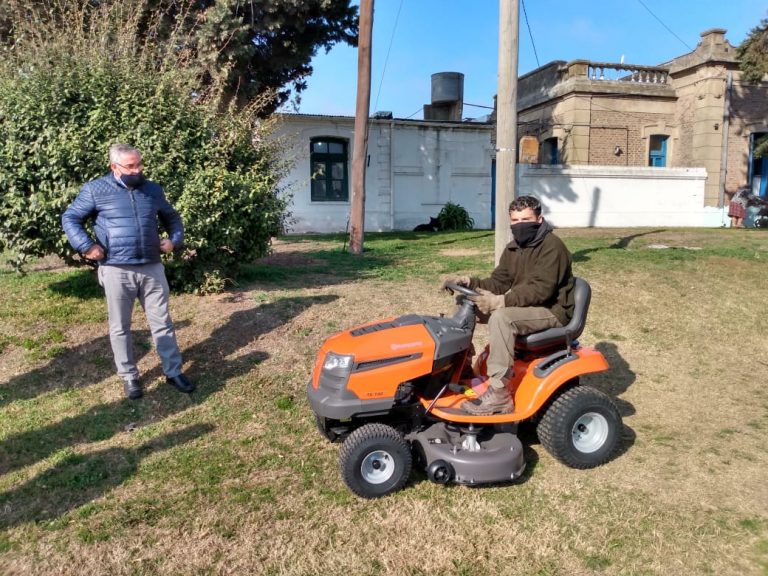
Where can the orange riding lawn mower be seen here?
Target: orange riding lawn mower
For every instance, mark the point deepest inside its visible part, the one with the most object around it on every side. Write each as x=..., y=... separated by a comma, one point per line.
x=392, y=393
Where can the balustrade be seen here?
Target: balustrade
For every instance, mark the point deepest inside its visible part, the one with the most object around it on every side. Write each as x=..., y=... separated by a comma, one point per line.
x=600, y=71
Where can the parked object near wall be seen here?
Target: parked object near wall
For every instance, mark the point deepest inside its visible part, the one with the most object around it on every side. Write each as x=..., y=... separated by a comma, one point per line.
x=432, y=226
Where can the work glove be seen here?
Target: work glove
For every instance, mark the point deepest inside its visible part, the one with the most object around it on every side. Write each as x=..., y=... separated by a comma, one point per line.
x=460, y=280
x=487, y=301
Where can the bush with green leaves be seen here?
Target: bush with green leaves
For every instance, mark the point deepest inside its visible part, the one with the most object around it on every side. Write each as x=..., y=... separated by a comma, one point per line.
x=67, y=94
x=455, y=217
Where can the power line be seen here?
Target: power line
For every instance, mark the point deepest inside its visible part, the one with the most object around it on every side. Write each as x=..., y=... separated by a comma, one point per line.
x=391, y=40
x=478, y=106
x=412, y=115
x=665, y=26
x=528, y=24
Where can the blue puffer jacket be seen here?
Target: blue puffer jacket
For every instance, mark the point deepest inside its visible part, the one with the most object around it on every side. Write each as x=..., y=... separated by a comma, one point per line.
x=126, y=223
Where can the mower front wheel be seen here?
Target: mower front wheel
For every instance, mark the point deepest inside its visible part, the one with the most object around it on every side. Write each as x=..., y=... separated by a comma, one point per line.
x=581, y=428
x=375, y=460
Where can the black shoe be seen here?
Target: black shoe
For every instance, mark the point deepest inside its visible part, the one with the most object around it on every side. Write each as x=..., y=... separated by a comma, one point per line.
x=181, y=383
x=132, y=389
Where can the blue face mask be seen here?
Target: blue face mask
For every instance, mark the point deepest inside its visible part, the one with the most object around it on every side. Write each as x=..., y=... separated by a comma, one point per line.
x=133, y=180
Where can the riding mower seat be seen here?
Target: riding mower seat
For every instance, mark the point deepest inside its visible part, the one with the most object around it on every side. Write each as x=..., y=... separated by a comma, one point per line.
x=560, y=338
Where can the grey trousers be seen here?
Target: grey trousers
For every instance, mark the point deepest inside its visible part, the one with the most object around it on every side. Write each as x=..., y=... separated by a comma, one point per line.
x=123, y=284
x=504, y=326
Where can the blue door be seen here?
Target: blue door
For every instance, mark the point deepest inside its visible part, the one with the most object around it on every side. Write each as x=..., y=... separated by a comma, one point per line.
x=658, y=151
x=757, y=176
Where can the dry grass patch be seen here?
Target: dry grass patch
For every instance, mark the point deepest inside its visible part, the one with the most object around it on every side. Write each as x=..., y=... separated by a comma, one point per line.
x=236, y=480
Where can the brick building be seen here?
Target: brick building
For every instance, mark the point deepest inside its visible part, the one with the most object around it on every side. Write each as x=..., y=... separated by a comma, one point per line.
x=694, y=111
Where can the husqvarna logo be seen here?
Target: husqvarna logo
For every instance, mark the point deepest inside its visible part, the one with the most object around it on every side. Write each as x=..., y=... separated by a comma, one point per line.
x=406, y=345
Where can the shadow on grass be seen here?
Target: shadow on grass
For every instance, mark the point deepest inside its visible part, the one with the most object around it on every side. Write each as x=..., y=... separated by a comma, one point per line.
x=615, y=382
x=617, y=379
x=81, y=478
x=386, y=255
x=620, y=244
x=207, y=364
x=75, y=367
x=82, y=284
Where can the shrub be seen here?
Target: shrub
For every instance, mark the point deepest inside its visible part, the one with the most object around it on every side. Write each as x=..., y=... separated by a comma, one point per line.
x=454, y=217
x=67, y=93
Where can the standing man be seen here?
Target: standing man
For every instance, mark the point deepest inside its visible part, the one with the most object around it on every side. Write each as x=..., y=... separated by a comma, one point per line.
x=126, y=208
x=530, y=290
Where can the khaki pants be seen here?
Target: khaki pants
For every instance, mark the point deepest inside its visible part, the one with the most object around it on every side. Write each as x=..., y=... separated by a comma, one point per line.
x=504, y=326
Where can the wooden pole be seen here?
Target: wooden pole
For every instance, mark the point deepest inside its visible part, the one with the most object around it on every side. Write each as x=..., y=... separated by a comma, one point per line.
x=506, y=120
x=357, y=209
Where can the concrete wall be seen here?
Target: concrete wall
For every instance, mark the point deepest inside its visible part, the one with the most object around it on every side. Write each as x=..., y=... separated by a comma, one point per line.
x=607, y=196
x=413, y=169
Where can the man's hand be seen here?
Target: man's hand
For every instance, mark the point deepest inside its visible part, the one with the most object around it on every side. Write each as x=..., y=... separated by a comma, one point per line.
x=95, y=252
x=487, y=301
x=166, y=246
x=460, y=280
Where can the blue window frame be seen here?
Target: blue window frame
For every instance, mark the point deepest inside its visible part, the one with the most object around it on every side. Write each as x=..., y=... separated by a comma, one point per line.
x=657, y=155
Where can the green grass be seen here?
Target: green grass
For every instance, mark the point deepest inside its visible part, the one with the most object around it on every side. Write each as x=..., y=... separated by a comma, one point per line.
x=236, y=478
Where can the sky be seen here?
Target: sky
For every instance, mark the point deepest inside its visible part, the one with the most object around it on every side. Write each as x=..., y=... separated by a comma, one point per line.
x=413, y=39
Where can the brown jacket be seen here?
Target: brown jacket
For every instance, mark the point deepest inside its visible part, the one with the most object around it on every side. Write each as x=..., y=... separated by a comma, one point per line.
x=537, y=275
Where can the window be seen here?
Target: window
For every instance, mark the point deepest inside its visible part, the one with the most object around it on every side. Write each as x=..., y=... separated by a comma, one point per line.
x=328, y=162
x=549, y=151
x=657, y=154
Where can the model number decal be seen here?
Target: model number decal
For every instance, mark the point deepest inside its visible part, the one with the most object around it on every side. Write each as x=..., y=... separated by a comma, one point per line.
x=406, y=345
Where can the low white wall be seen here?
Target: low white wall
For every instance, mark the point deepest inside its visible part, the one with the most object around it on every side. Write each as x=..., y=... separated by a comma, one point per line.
x=607, y=196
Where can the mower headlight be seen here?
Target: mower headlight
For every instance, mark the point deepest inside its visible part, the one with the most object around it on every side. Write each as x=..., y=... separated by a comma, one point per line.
x=338, y=364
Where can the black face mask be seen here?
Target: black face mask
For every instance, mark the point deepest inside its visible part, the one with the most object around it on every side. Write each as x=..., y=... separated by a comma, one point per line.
x=133, y=180
x=524, y=232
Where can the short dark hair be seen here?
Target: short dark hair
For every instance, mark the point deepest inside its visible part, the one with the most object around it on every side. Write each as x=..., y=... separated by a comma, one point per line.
x=523, y=202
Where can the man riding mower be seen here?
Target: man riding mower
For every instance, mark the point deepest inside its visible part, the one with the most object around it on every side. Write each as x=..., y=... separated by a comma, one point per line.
x=403, y=388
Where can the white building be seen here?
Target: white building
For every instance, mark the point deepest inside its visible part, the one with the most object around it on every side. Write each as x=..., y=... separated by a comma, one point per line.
x=413, y=168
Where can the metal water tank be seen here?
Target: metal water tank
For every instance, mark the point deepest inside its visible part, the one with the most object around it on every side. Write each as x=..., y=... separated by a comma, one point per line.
x=447, y=87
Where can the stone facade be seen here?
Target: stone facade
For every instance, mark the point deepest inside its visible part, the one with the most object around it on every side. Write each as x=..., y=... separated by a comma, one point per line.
x=673, y=115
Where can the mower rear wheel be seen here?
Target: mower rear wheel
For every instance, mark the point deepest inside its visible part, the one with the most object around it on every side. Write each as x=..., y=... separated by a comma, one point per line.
x=375, y=460
x=581, y=428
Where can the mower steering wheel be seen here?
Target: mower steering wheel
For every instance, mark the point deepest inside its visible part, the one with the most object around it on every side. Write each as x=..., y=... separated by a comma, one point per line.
x=459, y=289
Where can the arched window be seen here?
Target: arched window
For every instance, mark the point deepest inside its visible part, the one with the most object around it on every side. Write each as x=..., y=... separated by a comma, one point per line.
x=328, y=164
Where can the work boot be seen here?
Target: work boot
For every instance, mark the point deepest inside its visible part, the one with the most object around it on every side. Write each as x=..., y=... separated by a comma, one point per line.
x=133, y=389
x=493, y=401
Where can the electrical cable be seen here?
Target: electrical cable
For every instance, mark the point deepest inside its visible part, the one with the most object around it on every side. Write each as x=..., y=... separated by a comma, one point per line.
x=414, y=114
x=665, y=26
x=386, y=60
x=528, y=24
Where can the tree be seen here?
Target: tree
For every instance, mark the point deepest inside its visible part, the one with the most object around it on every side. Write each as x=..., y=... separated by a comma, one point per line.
x=753, y=54
x=244, y=49
x=68, y=92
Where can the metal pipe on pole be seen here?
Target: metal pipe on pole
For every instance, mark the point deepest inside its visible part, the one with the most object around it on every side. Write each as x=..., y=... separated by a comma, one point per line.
x=506, y=119
x=362, y=111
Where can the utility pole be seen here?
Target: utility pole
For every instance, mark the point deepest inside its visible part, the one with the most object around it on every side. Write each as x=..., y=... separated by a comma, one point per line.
x=357, y=213
x=506, y=119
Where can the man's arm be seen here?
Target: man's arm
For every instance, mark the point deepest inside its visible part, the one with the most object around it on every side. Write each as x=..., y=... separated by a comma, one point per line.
x=172, y=223
x=499, y=281
x=72, y=221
